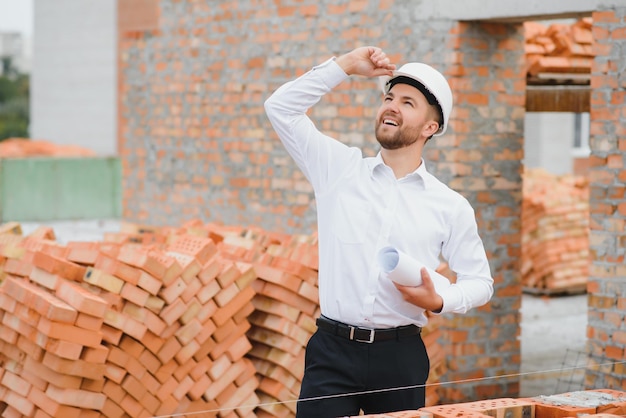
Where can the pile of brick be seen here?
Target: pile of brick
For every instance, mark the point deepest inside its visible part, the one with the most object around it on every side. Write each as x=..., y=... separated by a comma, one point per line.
x=555, y=233
x=559, y=48
x=23, y=148
x=159, y=321
x=598, y=403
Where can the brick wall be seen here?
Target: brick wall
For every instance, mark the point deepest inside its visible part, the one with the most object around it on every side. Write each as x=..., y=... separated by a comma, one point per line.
x=481, y=158
x=607, y=171
x=195, y=142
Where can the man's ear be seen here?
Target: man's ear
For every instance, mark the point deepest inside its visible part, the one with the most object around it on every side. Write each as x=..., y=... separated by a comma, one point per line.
x=431, y=128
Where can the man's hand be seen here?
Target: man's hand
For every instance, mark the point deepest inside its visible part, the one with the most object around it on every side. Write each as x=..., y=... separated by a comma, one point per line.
x=368, y=61
x=424, y=295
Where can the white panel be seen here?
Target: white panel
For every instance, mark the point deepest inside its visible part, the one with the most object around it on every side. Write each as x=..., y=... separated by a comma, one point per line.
x=548, y=141
x=74, y=74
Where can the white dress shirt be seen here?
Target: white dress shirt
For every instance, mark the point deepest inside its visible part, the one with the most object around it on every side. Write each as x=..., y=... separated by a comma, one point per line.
x=362, y=207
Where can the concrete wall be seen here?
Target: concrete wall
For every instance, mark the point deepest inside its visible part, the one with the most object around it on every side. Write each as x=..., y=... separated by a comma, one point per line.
x=509, y=10
x=74, y=76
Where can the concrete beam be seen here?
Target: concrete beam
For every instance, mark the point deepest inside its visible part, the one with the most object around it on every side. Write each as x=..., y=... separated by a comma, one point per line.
x=509, y=10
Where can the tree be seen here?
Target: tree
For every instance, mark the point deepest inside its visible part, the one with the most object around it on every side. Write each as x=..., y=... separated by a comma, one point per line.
x=14, y=102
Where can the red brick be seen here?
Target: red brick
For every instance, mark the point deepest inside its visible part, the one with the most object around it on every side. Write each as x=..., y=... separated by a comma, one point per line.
x=65, y=349
x=77, y=368
x=17, y=267
x=188, y=332
x=134, y=294
x=199, y=387
x=89, y=322
x=82, y=255
x=201, y=248
x=551, y=407
x=150, y=403
x=123, y=322
x=51, y=407
x=240, y=299
x=208, y=291
x=173, y=290
x=184, y=386
x=76, y=397
x=239, y=348
x=167, y=387
x=44, y=278
x=189, y=266
x=112, y=409
x=16, y=324
x=191, y=290
x=15, y=383
x=56, y=265
x=39, y=369
x=110, y=334
x=7, y=303
x=210, y=270
x=224, y=380
x=147, y=260
x=114, y=373
x=81, y=299
x=172, y=312
x=169, y=350
x=277, y=276
x=131, y=406
x=71, y=333
x=149, y=283
x=223, y=346
x=133, y=387
x=7, y=334
x=103, y=280
x=151, y=383
x=118, y=269
x=95, y=354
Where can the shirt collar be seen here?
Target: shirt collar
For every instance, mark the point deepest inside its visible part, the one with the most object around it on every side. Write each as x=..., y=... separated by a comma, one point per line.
x=421, y=173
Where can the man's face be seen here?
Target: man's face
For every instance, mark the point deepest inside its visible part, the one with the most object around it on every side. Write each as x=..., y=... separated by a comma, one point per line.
x=403, y=118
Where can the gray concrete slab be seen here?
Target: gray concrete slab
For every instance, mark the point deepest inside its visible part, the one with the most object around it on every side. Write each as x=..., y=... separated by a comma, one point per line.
x=553, y=344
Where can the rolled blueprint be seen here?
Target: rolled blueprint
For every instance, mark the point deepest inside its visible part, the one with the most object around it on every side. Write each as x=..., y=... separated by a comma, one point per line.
x=406, y=270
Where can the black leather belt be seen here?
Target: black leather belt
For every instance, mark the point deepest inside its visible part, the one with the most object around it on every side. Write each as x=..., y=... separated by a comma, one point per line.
x=365, y=335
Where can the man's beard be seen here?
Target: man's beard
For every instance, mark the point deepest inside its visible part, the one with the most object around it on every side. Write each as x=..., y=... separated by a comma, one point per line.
x=401, y=138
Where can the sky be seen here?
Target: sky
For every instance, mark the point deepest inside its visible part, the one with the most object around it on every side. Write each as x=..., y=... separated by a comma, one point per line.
x=17, y=15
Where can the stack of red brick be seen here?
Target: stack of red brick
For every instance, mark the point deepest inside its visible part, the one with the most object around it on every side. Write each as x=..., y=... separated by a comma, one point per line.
x=24, y=147
x=159, y=321
x=600, y=403
x=559, y=48
x=555, y=232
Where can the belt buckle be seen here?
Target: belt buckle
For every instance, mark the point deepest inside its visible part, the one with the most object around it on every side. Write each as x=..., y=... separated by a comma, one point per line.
x=371, y=337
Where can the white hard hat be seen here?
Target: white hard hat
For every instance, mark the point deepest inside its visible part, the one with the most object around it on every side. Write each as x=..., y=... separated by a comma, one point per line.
x=429, y=82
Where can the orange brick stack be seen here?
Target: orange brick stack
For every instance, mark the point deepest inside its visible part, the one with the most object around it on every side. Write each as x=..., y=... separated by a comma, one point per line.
x=555, y=233
x=23, y=148
x=161, y=320
x=595, y=403
x=559, y=48
x=124, y=328
x=286, y=305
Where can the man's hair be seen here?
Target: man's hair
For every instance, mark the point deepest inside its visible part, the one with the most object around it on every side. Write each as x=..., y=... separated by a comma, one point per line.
x=430, y=98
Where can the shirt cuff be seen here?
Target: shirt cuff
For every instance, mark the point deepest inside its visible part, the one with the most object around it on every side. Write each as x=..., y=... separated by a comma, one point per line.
x=331, y=73
x=452, y=299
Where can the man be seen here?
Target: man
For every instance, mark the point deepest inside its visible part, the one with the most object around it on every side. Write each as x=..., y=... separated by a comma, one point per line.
x=367, y=353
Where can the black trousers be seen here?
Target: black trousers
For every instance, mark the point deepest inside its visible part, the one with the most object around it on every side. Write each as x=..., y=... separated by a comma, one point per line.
x=336, y=367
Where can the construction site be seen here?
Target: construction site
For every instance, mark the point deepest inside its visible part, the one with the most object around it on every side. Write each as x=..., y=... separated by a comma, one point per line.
x=159, y=249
